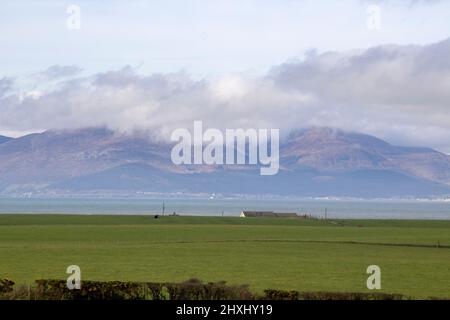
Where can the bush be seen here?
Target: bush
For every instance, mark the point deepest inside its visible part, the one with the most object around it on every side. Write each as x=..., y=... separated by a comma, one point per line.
x=19, y=293
x=156, y=291
x=6, y=285
x=350, y=296
x=295, y=295
x=194, y=289
x=281, y=295
x=90, y=290
x=94, y=290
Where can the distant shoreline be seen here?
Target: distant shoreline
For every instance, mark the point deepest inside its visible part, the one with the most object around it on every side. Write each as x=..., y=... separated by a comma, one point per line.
x=320, y=209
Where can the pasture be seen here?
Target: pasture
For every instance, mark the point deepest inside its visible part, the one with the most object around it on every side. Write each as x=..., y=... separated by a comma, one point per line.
x=297, y=254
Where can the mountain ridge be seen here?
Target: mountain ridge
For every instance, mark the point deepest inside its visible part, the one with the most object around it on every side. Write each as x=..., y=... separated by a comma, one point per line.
x=313, y=162
x=325, y=148
x=4, y=139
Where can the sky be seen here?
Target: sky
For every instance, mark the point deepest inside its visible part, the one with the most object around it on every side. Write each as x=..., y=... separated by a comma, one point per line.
x=378, y=67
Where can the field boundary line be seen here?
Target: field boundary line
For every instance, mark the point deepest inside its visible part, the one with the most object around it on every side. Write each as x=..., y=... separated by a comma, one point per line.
x=311, y=241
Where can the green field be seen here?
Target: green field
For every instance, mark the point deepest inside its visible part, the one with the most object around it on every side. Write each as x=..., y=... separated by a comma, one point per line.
x=304, y=255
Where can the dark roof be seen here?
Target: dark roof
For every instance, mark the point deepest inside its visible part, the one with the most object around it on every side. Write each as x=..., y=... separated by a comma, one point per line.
x=285, y=214
x=268, y=214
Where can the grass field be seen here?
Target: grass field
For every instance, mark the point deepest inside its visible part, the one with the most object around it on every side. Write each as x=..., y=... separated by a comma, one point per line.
x=304, y=255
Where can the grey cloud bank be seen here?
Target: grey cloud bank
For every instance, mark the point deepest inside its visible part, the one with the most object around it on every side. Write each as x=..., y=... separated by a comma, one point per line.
x=399, y=93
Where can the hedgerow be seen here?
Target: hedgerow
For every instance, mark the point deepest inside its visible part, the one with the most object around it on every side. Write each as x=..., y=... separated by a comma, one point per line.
x=192, y=289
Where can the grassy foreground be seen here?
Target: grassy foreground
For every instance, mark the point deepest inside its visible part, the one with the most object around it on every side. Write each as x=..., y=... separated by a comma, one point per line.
x=294, y=254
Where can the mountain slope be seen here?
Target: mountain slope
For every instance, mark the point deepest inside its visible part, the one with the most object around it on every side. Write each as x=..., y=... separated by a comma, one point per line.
x=314, y=162
x=303, y=182
x=334, y=150
x=55, y=155
x=4, y=139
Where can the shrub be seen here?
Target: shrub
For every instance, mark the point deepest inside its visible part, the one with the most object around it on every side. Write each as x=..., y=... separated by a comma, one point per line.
x=295, y=295
x=281, y=294
x=19, y=293
x=6, y=285
x=156, y=291
x=194, y=289
x=189, y=290
x=90, y=290
x=349, y=296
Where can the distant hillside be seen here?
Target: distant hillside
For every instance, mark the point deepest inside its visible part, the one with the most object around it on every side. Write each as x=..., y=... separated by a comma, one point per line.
x=302, y=182
x=314, y=162
x=328, y=149
x=4, y=139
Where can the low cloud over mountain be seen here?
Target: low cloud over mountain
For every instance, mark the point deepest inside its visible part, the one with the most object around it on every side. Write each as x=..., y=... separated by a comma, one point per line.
x=398, y=93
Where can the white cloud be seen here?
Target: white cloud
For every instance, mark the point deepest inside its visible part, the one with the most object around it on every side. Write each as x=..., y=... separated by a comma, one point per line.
x=391, y=91
x=229, y=88
x=399, y=93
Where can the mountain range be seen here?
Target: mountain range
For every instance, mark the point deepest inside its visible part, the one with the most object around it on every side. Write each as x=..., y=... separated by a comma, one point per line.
x=313, y=162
